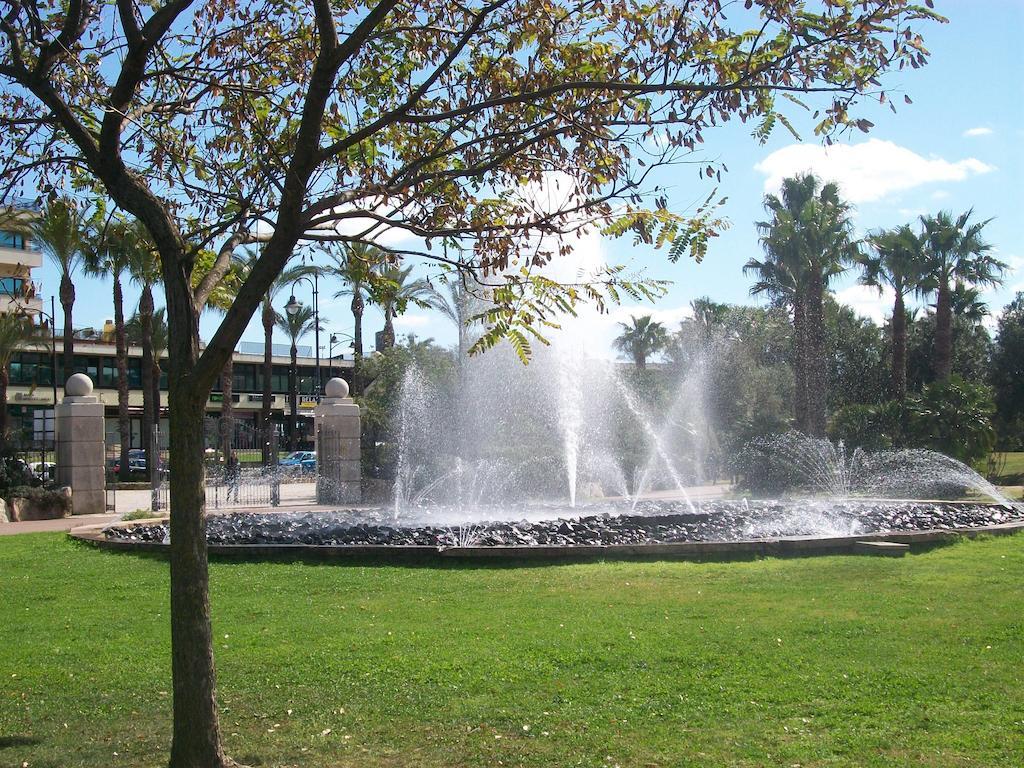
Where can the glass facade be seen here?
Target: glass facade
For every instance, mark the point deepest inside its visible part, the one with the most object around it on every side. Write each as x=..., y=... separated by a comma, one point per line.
x=34, y=368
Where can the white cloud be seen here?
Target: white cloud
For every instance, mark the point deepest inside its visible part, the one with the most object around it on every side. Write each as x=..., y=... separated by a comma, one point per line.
x=940, y=194
x=411, y=321
x=868, y=171
x=867, y=301
x=979, y=131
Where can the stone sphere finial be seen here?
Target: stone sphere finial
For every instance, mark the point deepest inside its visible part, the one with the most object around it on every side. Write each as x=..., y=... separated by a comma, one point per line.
x=79, y=385
x=336, y=389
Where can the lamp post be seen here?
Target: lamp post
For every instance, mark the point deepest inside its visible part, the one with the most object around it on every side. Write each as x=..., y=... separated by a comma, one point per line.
x=294, y=306
x=337, y=339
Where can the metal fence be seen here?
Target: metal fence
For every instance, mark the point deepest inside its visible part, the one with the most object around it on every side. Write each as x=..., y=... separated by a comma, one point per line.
x=236, y=475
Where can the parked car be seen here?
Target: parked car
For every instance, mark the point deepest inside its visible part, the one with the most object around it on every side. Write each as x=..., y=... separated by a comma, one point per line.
x=302, y=460
x=136, y=461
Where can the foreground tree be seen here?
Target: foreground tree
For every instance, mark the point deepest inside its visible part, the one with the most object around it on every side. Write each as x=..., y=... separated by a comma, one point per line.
x=897, y=261
x=641, y=338
x=438, y=120
x=957, y=253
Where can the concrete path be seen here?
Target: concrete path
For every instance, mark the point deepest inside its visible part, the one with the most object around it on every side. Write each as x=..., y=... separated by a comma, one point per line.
x=293, y=496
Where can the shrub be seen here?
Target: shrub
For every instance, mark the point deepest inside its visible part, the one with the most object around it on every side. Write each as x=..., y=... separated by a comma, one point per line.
x=953, y=417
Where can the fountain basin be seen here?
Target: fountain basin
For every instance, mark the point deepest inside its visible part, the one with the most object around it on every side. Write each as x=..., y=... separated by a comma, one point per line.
x=654, y=528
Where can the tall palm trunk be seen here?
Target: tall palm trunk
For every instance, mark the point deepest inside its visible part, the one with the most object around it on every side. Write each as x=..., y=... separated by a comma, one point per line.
x=5, y=374
x=640, y=361
x=124, y=424
x=148, y=406
x=899, y=349
x=389, y=327
x=227, y=412
x=800, y=362
x=67, y=302
x=268, y=372
x=357, y=339
x=943, y=360
x=293, y=397
x=156, y=394
x=816, y=365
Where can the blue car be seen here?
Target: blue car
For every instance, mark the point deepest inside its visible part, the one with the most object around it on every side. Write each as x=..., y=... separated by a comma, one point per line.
x=303, y=460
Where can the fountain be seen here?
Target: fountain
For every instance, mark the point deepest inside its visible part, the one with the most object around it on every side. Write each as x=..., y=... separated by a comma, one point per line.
x=539, y=458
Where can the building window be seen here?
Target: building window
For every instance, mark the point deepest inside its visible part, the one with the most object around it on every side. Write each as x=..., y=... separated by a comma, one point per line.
x=12, y=240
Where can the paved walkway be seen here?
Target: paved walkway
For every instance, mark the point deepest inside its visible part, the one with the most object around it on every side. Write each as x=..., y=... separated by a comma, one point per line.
x=293, y=496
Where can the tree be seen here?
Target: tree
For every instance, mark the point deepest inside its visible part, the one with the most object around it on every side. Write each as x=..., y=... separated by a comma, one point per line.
x=954, y=417
x=60, y=232
x=394, y=291
x=355, y=266
x=269, y=317
x=1008, y=374
x=437, y=120
x=897, y=260
x=107, y=253
x=459, y=304
x=807, y=241
x=144, y=268
x=641, y=338
x=16, y=330
x=957, y=253
x=296, y=326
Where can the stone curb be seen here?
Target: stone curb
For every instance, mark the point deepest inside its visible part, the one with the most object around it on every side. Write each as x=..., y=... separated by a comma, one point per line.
x=693, y=550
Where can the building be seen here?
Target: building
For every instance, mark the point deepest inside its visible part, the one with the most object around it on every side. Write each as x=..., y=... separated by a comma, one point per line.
x=18, y=257
x=31, y=394
x=30, y=388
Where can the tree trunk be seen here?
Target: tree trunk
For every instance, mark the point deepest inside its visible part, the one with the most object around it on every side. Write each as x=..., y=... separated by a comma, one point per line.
x=227, y=413
x=293, y=397
x=124, y=424
x=800, y=362
x=640, y=361
x=943, y=362
x=195, y=740
x=389, y=328
x=268, y=372
x=899, y=349
x=5, y=374
x=146, y=321
x=67, y=302
x=817, y=363
x=156, y=396
x=357, y=339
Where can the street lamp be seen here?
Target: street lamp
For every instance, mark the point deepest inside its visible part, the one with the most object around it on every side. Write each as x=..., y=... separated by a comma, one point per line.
x=292, y=308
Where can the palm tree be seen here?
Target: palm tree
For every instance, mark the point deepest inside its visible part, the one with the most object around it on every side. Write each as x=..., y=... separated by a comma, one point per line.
x=16, y=330
x=808, y=241
x=158, y=340
x=641, y=339
x=107, y=254
x=956, y=252
x=295, y=326
x=60, y=232
x=457, y=303
x=144, y=268
x=270, y=318
x=395, y=290
x=897, y=261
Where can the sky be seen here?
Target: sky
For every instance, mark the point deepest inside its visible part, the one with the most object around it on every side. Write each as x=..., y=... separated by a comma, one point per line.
x=957, y=146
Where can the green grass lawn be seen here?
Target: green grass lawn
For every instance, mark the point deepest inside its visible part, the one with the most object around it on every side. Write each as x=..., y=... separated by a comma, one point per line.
x=830, y=661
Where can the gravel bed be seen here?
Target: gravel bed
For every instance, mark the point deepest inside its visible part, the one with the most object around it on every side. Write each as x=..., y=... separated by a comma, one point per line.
x=649, y=522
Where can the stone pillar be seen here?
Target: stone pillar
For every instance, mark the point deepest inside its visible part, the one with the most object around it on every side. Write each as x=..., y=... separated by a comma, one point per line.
x=80, y=450
x=338, y=471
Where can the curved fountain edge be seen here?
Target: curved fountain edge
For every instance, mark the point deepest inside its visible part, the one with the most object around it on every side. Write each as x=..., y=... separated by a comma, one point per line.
x=796, y=545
